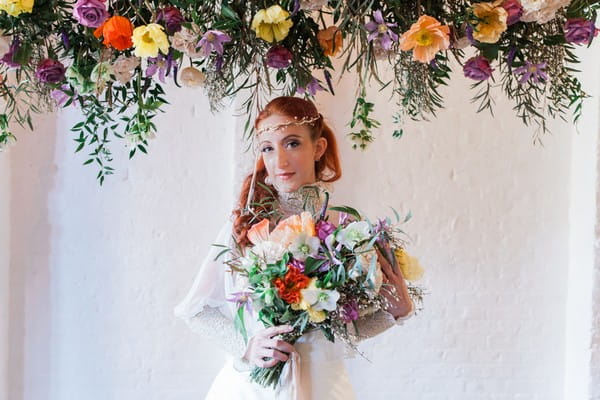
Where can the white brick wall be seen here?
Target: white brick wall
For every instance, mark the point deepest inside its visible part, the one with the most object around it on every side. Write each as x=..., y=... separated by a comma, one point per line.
x=96, y=271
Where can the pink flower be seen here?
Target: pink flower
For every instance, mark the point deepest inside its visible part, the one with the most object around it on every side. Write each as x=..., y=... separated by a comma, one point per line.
x=478, y=68
x=580, y=31
x=279, y=57
x=514, y=10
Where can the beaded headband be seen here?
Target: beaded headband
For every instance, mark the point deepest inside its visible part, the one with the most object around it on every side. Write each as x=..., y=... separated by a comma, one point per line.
x=295, y=122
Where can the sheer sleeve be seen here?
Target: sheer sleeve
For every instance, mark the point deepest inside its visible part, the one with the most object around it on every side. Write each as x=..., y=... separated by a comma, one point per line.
x=205, y=308
x=208, y=288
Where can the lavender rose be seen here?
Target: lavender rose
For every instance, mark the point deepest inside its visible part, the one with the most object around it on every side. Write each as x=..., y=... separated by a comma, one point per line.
x=579, y=31
x=172, y=18
x=514, y=10
x=279, y=57
x=91, y=13
x=50, y=71
x=478, y=68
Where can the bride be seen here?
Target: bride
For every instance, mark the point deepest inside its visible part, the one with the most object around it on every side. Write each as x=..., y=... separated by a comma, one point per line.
x=298, y=160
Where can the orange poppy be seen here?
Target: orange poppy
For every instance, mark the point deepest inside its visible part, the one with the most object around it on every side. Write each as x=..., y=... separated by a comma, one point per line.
x=117, y=32
x=330, y=40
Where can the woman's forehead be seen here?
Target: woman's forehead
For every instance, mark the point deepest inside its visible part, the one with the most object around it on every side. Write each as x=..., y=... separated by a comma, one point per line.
x=280, y=133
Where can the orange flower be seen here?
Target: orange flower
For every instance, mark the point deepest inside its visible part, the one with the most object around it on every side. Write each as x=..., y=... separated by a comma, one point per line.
x=287, y=230
x=291, y=284
x=259, y=232
x=117, y=32
x=426, y=37
x=330, y=40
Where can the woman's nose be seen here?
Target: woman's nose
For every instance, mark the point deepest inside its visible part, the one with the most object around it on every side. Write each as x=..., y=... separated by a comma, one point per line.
x=282, y=159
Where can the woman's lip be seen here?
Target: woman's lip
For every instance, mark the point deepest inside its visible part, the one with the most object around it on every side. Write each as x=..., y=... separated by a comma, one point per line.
x=285, y=176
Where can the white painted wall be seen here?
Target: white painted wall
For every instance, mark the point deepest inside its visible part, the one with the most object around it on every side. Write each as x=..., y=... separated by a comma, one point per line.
x=4, y=269
x=97, y=271
x=582, y=221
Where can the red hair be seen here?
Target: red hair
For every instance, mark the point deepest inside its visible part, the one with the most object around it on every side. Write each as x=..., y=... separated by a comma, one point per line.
x=327, y=169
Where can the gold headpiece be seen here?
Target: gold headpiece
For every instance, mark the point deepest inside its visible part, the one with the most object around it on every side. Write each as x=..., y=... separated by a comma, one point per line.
x=295, y=121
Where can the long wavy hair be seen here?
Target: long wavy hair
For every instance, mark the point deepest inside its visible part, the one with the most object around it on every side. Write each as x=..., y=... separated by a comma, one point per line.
x=327, y=169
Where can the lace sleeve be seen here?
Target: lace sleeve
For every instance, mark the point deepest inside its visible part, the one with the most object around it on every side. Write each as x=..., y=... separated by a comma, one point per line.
x=372, y=325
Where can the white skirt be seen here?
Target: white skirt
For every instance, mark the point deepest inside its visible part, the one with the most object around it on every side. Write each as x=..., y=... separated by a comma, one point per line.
x=322, y=375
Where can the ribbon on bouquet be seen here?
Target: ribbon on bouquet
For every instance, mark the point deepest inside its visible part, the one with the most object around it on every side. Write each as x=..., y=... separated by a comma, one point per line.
x=290, y=381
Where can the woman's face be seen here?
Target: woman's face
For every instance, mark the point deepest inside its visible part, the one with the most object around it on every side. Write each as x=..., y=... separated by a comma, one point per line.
x=289, y=153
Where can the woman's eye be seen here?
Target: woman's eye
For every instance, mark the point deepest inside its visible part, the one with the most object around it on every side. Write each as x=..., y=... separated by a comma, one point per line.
x=266, y=149
x=293, y=143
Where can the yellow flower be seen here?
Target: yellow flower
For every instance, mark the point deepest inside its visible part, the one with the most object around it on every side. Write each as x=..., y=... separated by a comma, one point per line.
x=410, y=267
x=272, y=24
x=490, y=21
x=148, y=39
x=16, y=7
x=315, y=316
x=426, y=37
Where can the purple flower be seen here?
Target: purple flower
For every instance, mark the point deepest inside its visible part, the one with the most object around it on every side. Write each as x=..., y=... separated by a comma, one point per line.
x=91, y=13
x=531, y=71
x=65, y=39
x=579, y=31
x=242, y=298
x=349, y=311
x=213, y=41
x=312, y=88
x=469, y=34
x=343, y=218
x=478, y=68
x=172, y=18
x=298, y=264
x=59, y=95
x=510, y=57
x=9, y=58
x=379, y=29
x=279, y=57
x=324, y=229
x=514, y=10
x=50, y=71
x=160, y=64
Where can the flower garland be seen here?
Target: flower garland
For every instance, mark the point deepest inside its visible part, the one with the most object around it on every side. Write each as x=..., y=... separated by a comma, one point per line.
x=110, y=58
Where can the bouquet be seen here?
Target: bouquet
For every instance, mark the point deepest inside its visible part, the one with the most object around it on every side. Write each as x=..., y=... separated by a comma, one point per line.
x=312, y=274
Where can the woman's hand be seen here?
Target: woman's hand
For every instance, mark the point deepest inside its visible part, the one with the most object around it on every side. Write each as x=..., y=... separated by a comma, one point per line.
x=394, y=289
x=265, y=345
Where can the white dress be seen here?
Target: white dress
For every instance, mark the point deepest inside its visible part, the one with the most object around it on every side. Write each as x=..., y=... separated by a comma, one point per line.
x=318, y=373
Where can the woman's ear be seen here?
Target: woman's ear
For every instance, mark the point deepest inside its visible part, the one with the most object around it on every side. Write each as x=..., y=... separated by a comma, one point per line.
x=320, y=147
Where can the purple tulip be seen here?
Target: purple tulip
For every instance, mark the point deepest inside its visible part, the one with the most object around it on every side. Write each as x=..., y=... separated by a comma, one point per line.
x=324, y=229
x=50, y=71
x=9, y=58
x=478, y=68
x=349, y=311
x=172, y=18
x=579, y=31
x=514, y=10
x=91, y=13
x=279, y=57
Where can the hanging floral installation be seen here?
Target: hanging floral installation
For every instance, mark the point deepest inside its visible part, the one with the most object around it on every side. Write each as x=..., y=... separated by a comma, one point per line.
x=111, y=58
